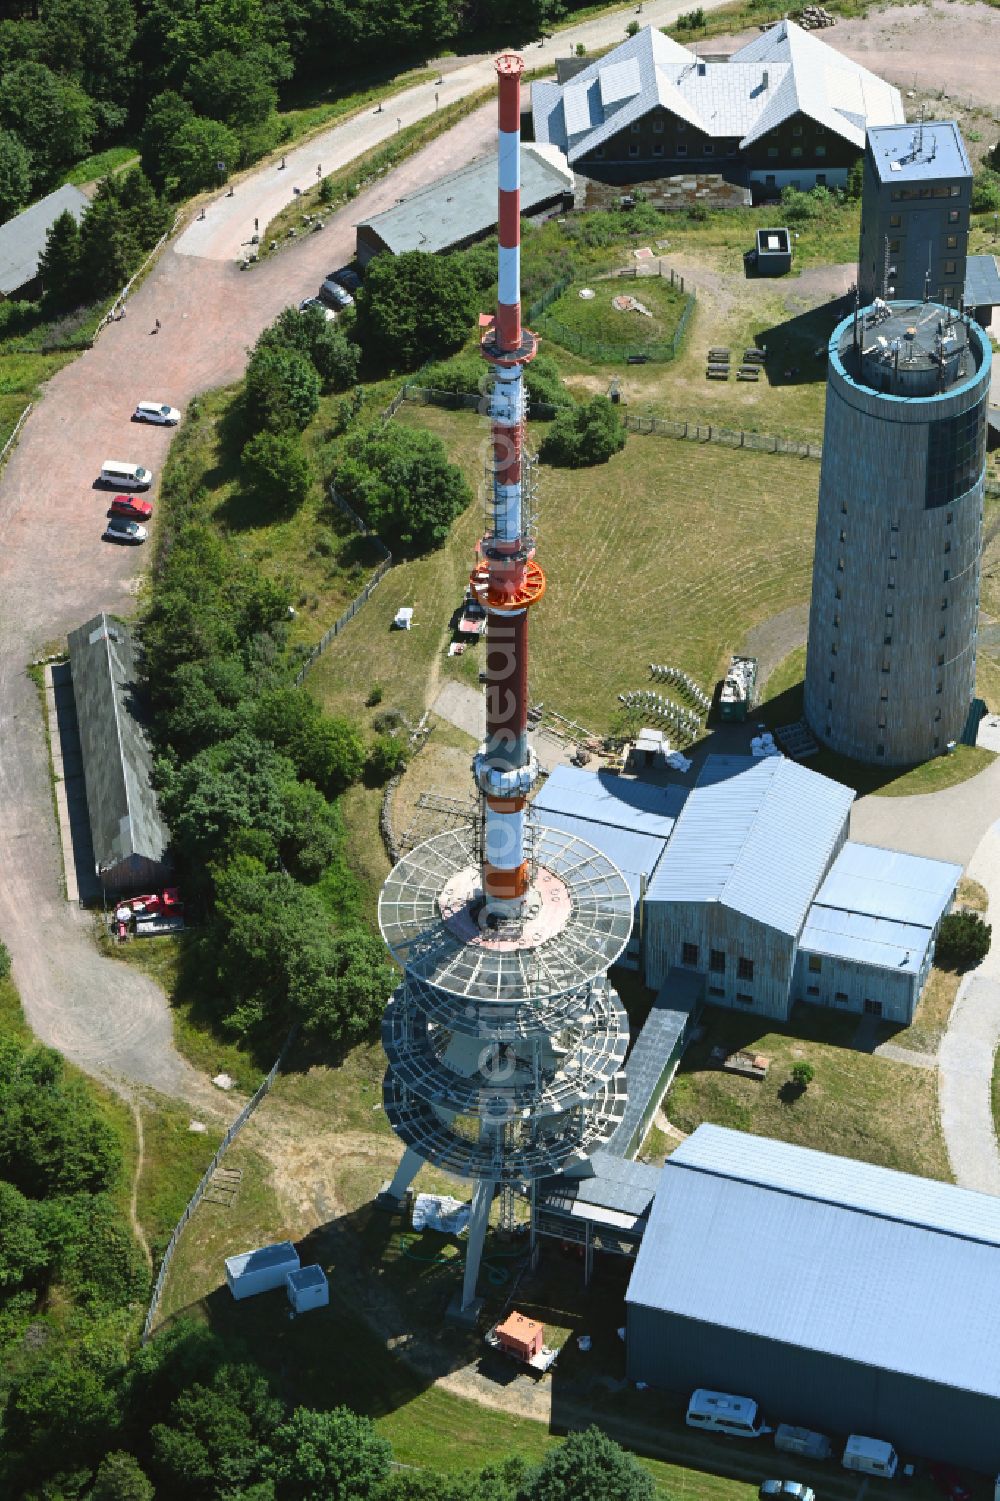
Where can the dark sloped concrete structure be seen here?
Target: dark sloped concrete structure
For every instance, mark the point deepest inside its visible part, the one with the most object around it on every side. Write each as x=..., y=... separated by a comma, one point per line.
x=129, y=836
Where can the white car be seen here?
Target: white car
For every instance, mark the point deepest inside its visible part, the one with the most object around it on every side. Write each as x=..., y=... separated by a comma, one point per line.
x=156, y=411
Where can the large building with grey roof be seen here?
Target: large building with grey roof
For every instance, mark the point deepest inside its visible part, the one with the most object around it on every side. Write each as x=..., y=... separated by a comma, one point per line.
x=841, y=1296
x=458, y=209
x=785, y=110
x=22, y=240
x=129, y=837
x=761, y=892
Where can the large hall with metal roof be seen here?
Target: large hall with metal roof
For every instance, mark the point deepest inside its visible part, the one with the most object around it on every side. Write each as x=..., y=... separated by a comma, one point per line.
x=844, y=1297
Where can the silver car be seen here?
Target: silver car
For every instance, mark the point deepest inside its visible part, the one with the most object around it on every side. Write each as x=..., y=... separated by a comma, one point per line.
x=785, y=1490
x=119, y=529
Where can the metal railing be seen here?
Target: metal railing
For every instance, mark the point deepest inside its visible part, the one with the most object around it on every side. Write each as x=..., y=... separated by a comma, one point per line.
x=196, y=1197
x=597, y=349
x=729, y=437
x=466, y=401
x=117, y=309
x=16, y=433
x=359, y=600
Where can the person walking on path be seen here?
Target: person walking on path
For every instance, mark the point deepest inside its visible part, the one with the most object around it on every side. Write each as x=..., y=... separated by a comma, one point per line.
x=156, y=326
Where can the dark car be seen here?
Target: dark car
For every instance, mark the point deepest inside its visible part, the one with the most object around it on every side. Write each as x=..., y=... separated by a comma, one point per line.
x=333, y=293
x=348, y=278
x=127, y=532
x=131, y=507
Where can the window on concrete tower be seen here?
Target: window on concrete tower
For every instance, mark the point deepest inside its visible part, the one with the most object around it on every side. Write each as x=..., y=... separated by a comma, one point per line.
x=743, y=998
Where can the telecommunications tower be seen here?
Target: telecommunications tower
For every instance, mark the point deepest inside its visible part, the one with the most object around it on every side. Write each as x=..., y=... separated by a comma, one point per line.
x=505, y=1041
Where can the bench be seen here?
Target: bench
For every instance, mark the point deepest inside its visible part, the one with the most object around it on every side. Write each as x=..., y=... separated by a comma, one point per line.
x=717, y=372
x=748, y=373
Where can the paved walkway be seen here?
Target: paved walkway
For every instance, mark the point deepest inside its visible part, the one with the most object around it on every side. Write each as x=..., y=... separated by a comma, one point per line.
x=965, y=1058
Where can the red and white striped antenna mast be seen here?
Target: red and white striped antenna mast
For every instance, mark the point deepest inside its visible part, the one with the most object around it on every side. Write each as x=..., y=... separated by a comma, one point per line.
x=507, y=580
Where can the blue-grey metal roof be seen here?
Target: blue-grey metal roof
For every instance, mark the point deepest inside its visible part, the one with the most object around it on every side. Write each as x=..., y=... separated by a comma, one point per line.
x=864, y=940
x=886, y=883
x=635, y=855
x=915, y=153
x=262, y=1259
x=463, y=205
x=307, y=1276
x=778, y=74
x=604, y=1181
x=982, y=281
x=758, y=841
x=620, y=802
x=669, y=1016
x=879, y=907
x=22, y=239
x=819, y=1252
x=117, y=761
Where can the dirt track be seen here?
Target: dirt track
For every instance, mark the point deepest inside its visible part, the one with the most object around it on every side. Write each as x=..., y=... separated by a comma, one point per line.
x=950, y=50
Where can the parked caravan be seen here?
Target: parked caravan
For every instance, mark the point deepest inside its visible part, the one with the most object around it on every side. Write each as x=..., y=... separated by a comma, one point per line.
x=719, y=1412
x=872, y=1456
x=802, y=1441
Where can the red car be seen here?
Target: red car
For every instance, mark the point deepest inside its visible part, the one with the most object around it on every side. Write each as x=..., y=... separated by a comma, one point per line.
x=166, y=903
x=949, y=1482
x=130, y=506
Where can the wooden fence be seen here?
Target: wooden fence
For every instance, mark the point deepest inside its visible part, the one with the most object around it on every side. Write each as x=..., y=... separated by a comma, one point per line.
x=359, y=599
x=199, y=1193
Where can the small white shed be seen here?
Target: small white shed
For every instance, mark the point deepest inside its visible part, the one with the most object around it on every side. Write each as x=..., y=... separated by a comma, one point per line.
x=307, y=1288
x=403, y=618
x=262, y=1270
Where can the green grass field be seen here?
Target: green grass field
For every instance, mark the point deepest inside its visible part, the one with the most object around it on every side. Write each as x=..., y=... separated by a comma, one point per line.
x=102, y=164
x=858, y=1105
x=668, y=553
x=596, y=319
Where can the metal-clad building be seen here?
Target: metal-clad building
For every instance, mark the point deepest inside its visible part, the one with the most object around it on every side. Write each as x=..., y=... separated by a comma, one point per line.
x=841, y=1296
x=456, y=210
x=629, y=821
x=869, y=936
x=130, y=839
x=915, y=204
x=891, y=661
x=730, y=896
x=655, y=1054
x=601, y=1204
x=22, y=239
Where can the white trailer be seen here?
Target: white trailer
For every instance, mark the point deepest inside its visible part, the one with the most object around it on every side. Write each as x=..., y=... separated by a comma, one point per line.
x=262, y=1270
x=307, y=1289
x=872, y=1456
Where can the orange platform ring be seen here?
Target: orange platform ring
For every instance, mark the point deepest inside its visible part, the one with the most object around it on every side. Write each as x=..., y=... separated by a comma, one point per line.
x=528, y=592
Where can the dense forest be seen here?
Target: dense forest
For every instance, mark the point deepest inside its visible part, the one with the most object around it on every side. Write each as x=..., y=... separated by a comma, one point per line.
x=198, y=82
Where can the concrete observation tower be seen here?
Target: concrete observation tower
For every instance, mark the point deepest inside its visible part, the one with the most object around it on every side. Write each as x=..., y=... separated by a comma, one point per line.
x=891, y=663
x=505, y=1042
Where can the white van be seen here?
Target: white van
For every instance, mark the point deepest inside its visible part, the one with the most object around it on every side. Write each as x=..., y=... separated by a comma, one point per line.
x=718, y=1412
x=870, y=1455
x=121, y=476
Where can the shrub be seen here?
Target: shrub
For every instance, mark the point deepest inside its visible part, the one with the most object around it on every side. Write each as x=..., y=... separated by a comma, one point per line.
x=584, y=435
x=985, y=192
x=5, y=961
x=963, y=941
x=282, y=389
x=802, y=1074
x=400, y=478
x=691, y=20
x=276, y=467
x=855, y=180
x=386, y=756
x=632, y=29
